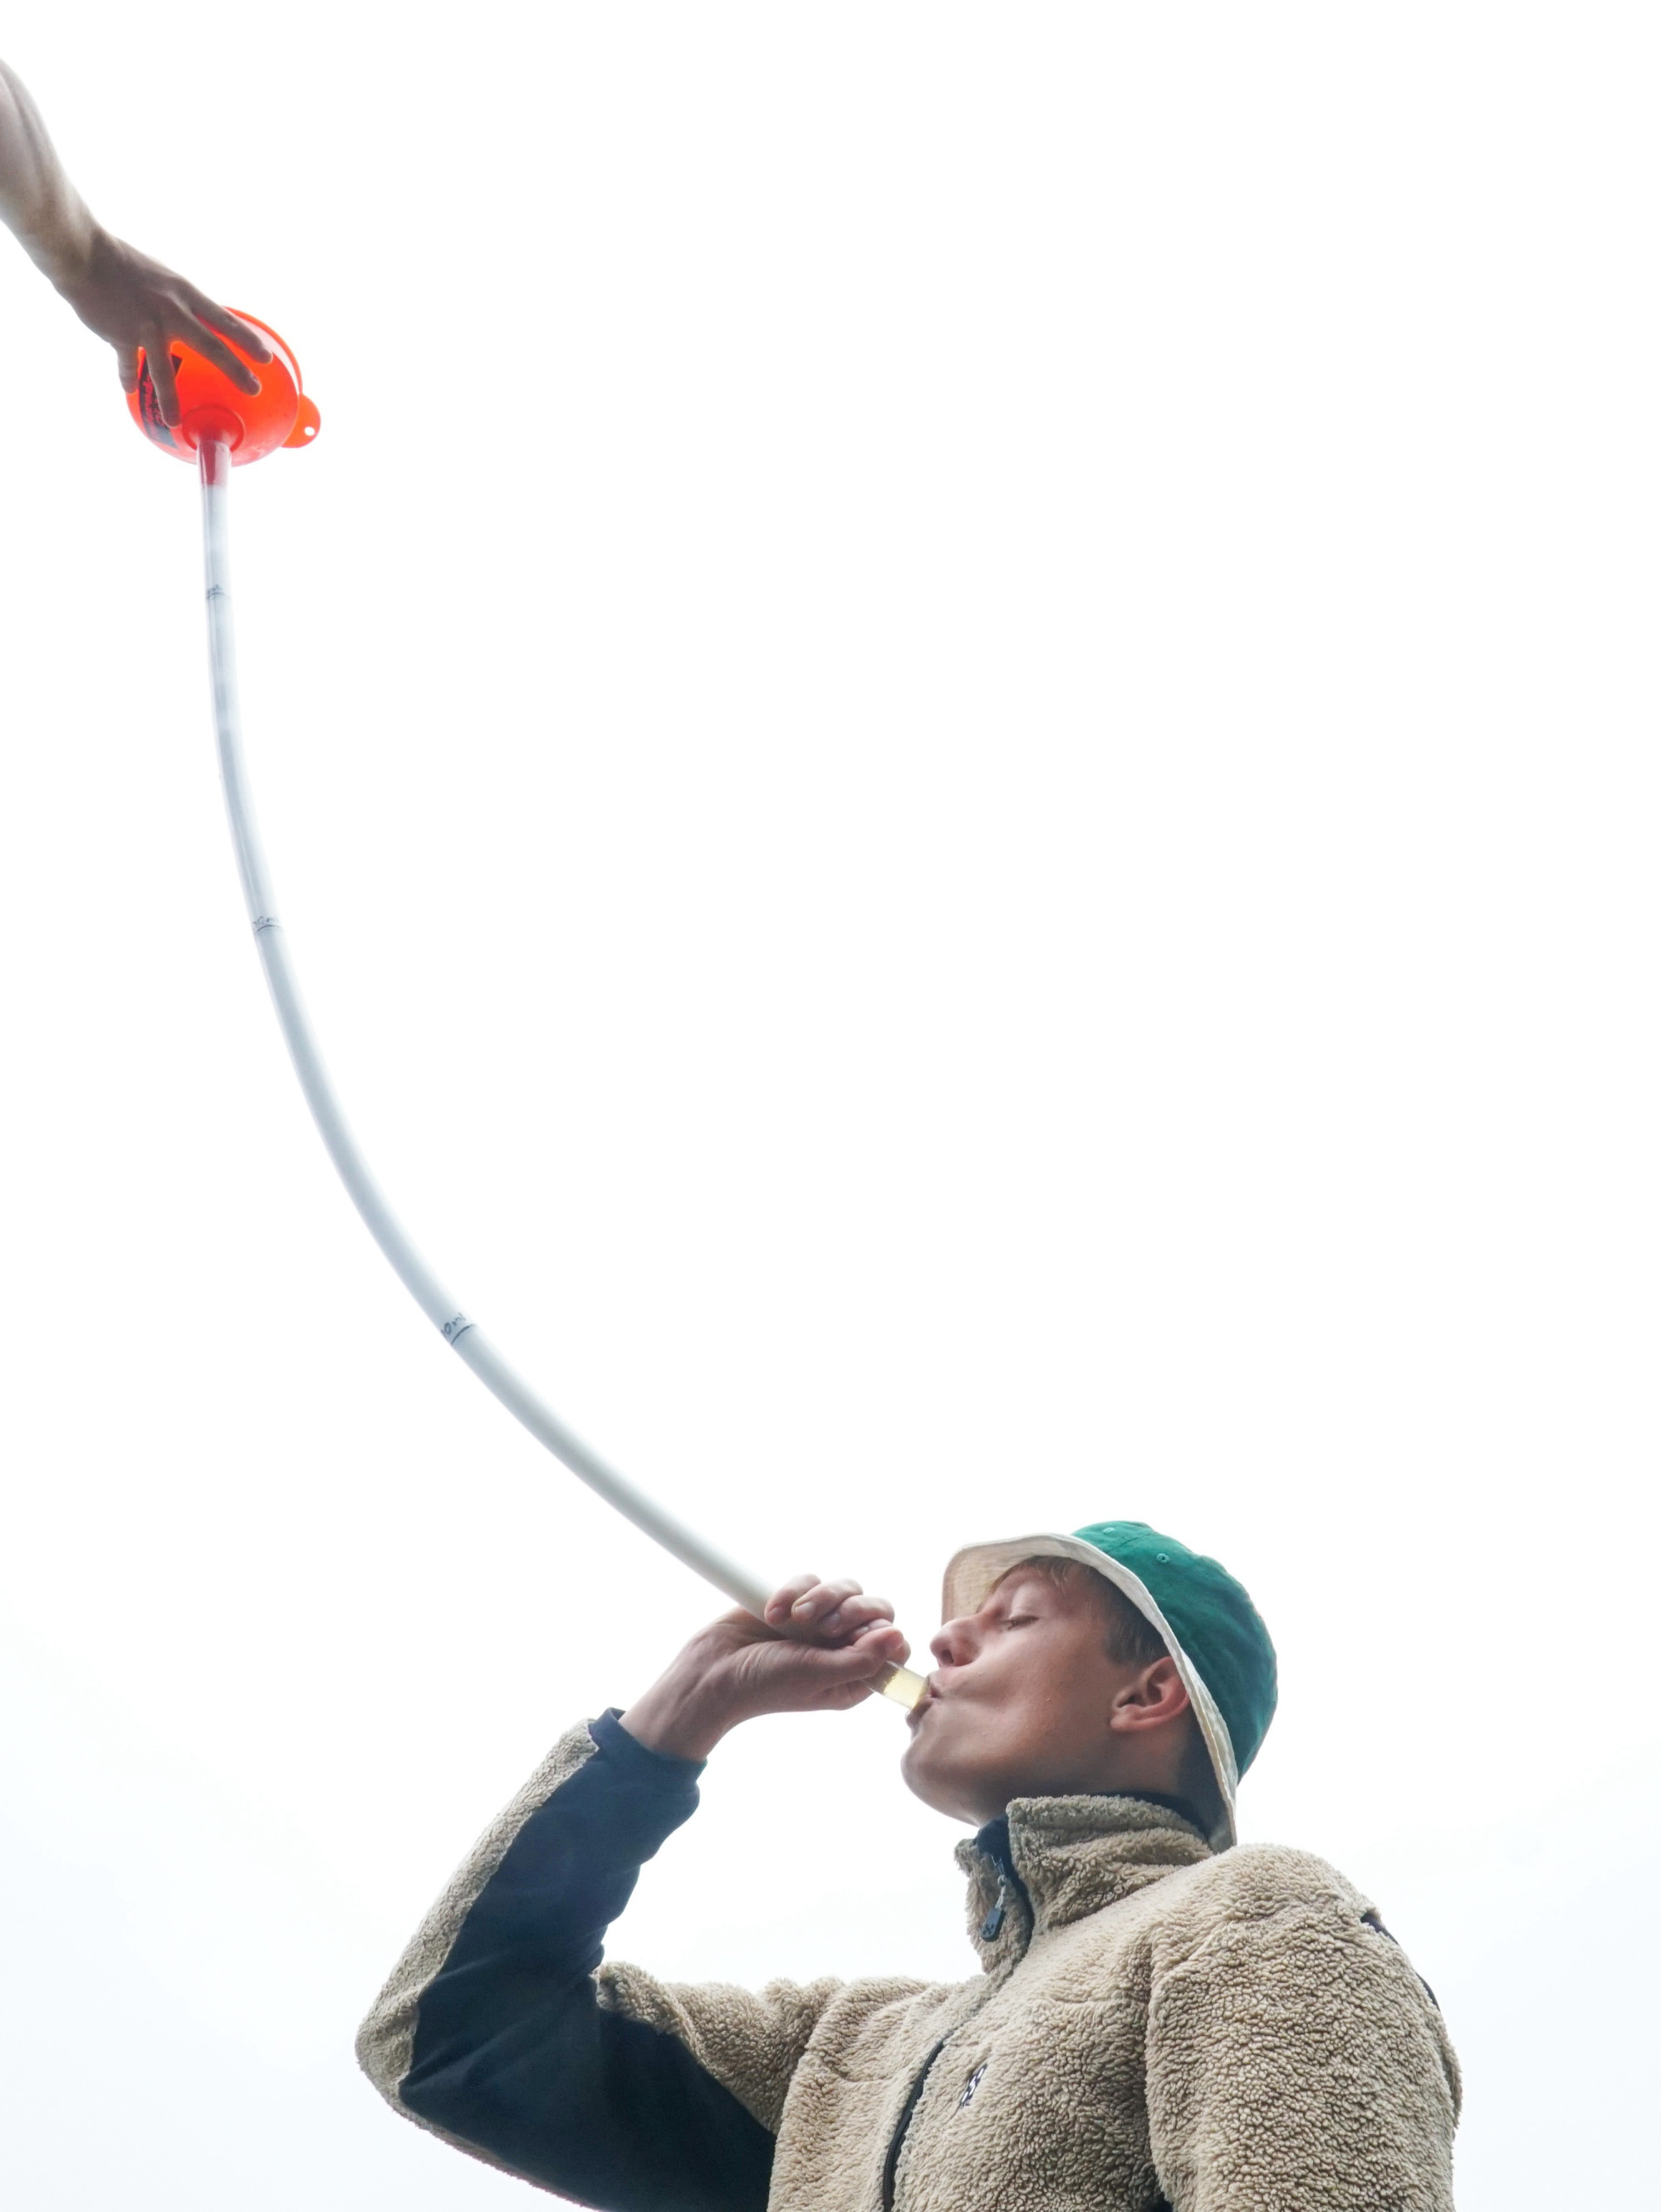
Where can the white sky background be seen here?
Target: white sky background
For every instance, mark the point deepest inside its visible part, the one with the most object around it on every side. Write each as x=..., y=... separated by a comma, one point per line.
x=958, y=729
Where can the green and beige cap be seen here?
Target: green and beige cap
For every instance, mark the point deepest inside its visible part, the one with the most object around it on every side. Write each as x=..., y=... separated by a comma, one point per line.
x=1210, y=1625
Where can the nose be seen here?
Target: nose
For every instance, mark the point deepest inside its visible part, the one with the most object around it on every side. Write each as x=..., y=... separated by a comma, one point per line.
x=954, y=1644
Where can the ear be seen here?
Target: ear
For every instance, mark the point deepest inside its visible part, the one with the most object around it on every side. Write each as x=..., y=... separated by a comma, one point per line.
x=1152, y=1698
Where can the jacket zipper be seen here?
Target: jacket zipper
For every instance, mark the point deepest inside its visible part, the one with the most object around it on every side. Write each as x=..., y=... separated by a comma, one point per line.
x=891, y=2165
x=990, y=1930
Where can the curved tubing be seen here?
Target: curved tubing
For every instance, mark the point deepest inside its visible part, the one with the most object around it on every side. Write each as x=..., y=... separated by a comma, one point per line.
x=463, y=1336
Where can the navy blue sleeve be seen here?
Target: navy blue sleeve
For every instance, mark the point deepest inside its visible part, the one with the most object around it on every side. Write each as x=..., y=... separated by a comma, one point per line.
x=512, y=2052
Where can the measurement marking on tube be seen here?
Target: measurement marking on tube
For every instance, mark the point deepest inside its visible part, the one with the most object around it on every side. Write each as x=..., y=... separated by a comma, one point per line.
x=458, y=1325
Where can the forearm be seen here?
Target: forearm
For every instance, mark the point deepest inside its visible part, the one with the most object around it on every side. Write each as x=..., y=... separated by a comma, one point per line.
x=37, y=200
x=492, y=2031
x=139, y=307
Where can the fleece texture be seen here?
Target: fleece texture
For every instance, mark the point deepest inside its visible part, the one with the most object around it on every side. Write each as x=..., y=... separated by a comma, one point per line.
x=1151, y=2023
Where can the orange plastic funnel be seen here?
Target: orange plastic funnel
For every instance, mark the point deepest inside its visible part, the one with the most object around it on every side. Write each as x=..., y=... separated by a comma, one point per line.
x=251, y=423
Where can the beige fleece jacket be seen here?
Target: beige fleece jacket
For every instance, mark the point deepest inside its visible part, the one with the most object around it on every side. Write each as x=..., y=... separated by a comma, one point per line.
x=1151, y=2023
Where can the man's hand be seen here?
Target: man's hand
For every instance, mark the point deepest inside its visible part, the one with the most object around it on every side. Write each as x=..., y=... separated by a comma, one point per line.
x=117, y=291
x=134, y=302
x=824, y=1646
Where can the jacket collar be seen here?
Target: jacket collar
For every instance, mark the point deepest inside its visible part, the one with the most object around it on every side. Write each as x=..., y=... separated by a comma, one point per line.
x=1049, y=1860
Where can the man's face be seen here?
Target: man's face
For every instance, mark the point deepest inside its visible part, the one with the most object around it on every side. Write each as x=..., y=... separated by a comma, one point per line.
x=1022, y=1701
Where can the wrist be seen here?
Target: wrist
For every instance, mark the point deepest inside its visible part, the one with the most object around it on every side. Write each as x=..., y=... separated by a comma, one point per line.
x=67, y=247
x=680, y=1715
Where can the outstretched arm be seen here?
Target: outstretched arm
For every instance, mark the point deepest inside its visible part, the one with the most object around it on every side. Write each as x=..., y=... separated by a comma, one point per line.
x=121, y=293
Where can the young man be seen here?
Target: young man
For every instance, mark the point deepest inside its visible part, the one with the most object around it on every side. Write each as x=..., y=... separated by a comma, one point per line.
x=1161, y=2017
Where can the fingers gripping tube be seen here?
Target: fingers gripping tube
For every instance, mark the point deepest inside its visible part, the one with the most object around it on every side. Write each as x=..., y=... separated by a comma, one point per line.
x=460, y=1332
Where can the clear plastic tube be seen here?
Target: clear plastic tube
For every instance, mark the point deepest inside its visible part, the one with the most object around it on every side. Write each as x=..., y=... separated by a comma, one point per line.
x=463, y=1335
